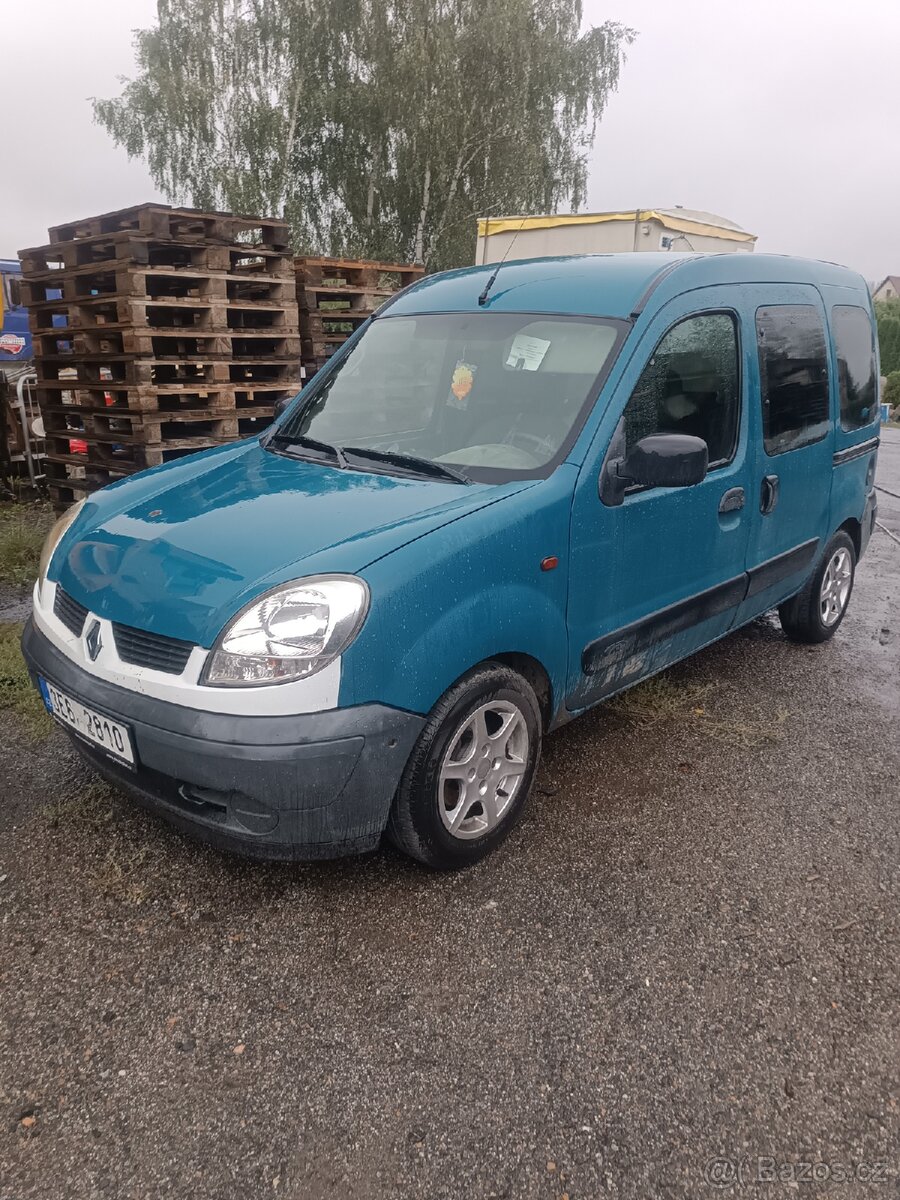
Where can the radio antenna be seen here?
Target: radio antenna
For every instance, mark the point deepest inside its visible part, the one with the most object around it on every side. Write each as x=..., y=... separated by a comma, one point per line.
x=483, y=298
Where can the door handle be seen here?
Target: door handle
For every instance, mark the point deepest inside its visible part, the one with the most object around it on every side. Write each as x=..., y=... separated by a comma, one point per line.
x=768, y=494
x=732, y=501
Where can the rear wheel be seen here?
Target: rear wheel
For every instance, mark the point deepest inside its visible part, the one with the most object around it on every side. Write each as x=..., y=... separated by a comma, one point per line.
x=815, y=614
x=470, y=772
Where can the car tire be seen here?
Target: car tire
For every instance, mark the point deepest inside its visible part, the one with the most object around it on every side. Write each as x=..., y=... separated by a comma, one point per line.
x=815, y=614
x=468, y=777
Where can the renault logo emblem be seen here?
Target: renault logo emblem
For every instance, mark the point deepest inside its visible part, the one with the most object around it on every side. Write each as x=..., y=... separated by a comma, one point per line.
x=93, y=641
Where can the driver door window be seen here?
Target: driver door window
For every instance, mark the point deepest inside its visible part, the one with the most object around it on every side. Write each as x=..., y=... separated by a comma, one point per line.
x=691, y=385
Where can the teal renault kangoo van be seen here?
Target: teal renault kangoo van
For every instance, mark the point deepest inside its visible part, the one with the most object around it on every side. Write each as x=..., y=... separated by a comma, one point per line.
x=512, y=494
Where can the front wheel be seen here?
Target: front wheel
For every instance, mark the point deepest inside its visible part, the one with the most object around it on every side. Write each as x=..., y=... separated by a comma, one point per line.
x=815, y=613
x=471, y=770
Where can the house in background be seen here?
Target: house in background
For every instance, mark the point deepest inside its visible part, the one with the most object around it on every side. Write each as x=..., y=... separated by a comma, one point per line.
x=635, y=230
x=888, y=289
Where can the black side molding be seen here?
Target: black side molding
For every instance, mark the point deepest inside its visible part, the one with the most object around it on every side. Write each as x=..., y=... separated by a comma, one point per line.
x=857, y=451
x=659, y=626
x=781, y=566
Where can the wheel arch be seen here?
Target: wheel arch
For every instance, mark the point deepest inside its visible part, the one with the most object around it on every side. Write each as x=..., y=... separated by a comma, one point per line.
x=535, y=674
x=853, y=528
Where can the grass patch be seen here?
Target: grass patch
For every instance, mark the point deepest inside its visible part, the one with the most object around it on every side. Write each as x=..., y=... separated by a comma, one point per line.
x=23, y=528
x=748, y=732
x=92, y=808
x=16, y=692
x=662, y=699
x=121, y=873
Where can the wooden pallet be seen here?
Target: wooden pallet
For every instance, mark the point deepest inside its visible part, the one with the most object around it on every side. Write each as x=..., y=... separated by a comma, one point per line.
x=75, y=396
x=163, y=314
x=153, y=284
x=78, y=397
x=158, y=331
x=137, y=429
x=180, y=225
x=360, y=273
x=335, y=295
x=362, y=301
x=124, y=458
x=68, y=481
x=322, y=321
x=77, y=420
x=321, y=348
x=116, y=371
x=106, y=344
x=90, y=254
x=72, y=476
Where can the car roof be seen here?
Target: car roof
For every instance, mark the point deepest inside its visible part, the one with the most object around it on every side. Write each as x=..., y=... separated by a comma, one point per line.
x=607, y=285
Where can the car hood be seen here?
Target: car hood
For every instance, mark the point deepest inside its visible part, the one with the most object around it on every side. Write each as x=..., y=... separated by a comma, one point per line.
x=179, y=550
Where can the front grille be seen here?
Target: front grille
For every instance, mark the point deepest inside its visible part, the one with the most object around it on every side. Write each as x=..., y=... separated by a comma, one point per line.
x=72, y=614
x=153, y=650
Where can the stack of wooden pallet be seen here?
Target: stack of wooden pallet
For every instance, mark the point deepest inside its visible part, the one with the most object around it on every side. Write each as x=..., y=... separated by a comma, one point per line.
x=157, y=332
x=335, y=295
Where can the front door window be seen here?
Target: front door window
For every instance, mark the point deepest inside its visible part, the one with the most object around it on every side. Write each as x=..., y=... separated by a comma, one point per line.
x=691, y=385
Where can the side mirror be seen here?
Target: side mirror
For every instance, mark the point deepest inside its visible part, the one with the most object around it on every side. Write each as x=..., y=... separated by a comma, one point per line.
x=667, y=460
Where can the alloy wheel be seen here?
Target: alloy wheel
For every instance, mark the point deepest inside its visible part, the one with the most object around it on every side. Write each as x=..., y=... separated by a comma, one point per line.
x=836, y=583
x=483, y=769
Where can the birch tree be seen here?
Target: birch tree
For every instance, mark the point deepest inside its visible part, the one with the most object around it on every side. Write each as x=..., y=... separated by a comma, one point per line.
x=379, y=128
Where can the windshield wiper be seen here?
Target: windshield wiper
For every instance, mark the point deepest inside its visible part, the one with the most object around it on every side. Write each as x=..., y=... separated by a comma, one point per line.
x=410, y=462
x=286, y=440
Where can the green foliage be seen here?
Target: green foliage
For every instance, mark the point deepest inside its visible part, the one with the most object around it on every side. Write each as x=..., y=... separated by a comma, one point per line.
x=16, y=692
x=23, y=528
x=891, y=392
x=887, y=314
x=378, y=127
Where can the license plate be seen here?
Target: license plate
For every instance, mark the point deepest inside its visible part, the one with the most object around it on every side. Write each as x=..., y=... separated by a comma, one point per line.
x=94, y=727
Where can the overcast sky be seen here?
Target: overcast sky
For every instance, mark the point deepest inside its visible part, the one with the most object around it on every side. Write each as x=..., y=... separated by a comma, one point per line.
x=781, y=115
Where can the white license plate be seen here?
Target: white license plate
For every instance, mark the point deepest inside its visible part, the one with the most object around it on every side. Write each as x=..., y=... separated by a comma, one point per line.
x=101, y=731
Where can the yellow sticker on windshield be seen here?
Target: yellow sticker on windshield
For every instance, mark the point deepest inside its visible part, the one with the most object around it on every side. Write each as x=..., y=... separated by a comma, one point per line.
x=463, y=378
x=461, y=385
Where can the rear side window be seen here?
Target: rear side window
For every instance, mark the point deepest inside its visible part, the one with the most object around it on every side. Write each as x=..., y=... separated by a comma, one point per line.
x=793, y=368
x=691, y=385
x=854, y=345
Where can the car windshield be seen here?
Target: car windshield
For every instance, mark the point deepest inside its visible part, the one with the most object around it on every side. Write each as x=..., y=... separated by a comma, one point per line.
x=491, y=395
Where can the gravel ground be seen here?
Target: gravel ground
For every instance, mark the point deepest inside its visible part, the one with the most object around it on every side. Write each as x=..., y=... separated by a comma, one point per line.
x=687, y=952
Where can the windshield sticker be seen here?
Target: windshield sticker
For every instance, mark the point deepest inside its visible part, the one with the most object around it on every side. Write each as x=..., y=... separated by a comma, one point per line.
x=527, y=353
x=461, y=384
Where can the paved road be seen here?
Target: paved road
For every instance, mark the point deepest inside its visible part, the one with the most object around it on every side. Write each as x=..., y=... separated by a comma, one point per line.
x=689, y=951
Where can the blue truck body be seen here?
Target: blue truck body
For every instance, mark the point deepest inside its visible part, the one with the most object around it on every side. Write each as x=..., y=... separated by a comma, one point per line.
x=15, y=336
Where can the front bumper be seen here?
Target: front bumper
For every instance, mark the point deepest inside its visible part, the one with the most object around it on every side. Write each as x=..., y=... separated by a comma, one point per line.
x=318, y=785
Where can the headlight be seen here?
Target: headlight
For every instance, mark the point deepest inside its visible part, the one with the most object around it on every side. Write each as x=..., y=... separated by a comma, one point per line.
x=292, y=631
x=55, y=535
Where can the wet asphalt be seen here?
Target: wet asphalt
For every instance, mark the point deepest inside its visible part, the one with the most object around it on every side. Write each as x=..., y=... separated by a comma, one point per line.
x=682, y=971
